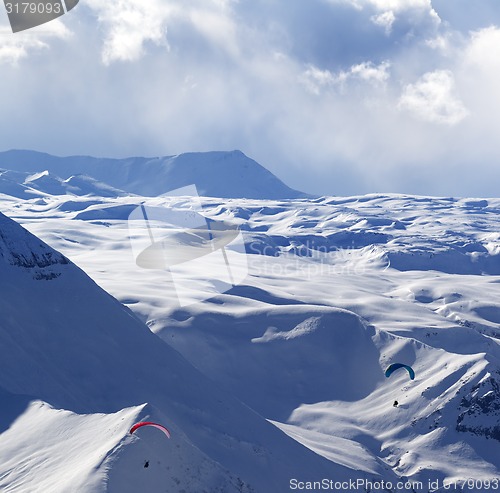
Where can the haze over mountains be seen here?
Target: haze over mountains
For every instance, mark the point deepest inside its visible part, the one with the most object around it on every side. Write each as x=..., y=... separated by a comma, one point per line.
x=276, y=378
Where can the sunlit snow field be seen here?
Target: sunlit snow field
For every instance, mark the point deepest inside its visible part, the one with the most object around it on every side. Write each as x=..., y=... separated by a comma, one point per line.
x=337, y=288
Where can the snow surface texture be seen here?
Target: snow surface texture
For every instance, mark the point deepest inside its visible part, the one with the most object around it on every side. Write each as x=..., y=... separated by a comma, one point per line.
x=73, y=359
x=338, y=288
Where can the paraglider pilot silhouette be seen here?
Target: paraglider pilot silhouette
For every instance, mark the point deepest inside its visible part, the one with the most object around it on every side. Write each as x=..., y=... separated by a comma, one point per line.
x=154, y=425
x=396, y=366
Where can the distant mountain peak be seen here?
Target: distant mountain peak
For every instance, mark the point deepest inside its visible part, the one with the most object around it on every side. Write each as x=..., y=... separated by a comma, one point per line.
x=28, y=184
x=225, y=174
x=36, y=176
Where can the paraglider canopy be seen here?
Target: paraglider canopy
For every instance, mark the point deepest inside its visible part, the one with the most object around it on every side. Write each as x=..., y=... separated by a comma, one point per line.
x=149, y=423
x=396, y=366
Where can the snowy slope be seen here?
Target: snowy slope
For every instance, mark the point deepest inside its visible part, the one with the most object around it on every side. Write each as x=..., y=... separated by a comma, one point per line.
x=47, y=449
x=77, y=368
x=27, y=185
x=337, y=289
x=216, y=174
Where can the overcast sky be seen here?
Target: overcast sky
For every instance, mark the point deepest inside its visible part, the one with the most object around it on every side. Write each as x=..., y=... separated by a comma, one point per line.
x=334, y=96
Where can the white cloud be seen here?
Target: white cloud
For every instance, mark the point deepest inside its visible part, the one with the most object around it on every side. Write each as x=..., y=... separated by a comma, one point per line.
x=388, y=7
x=370, y=72
x=399, y=5
x=433, y=98
x=482, y=51
x=402, y=21
x=14, y=47
x=440, y=43
x=129, y=24
x=385, y=20
x=315, y=79
x=477, y=74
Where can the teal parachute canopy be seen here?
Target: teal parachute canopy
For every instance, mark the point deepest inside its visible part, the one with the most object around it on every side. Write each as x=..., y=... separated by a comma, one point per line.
x=397, y=366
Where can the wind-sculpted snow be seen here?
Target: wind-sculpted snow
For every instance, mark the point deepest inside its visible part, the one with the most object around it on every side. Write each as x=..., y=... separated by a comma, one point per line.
x=120, y=212
x=283, y=356
x=338, y=288
x=456, y=236
x=74, y=360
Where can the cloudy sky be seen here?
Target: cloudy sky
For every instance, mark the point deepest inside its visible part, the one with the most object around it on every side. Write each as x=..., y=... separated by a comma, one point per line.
x=334, y=96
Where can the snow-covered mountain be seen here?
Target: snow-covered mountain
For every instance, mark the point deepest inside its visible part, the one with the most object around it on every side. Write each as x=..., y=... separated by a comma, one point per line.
x=78, y=369
x=337, y=289
x=216, y=174
x=27, y=185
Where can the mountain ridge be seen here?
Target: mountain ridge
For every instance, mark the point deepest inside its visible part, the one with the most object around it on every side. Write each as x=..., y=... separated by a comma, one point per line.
x=74, y=348
x=225, y=174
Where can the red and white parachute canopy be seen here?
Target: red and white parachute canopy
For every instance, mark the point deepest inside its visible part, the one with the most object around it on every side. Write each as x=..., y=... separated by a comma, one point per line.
x=149, y=423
